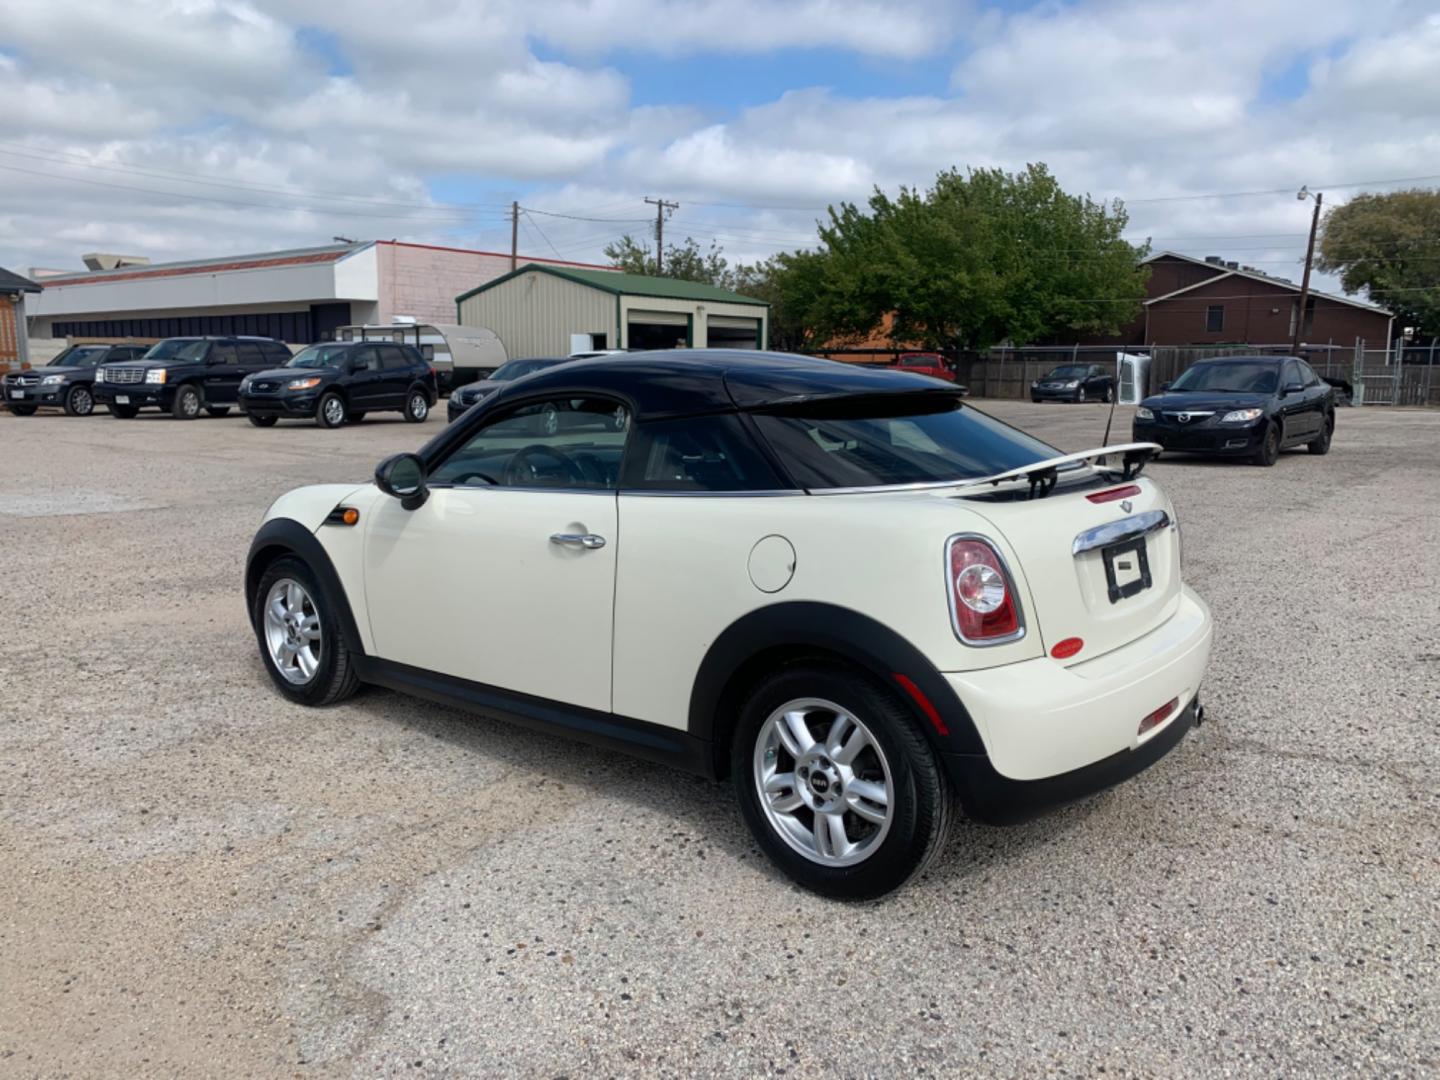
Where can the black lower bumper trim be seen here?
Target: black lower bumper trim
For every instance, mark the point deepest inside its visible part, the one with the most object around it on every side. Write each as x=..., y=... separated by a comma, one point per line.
x=993, y=799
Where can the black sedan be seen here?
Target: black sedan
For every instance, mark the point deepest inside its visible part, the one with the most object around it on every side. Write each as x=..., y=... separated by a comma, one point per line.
x=1074, y=382
x=66, y=382
x=509, y=371
x=1241, y=406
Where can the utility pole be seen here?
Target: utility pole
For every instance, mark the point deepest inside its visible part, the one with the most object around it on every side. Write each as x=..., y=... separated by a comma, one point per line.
x=1319, y=196
x=661, y=206
x=514, y=232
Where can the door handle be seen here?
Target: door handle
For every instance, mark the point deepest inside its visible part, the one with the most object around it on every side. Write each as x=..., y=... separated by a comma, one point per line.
x=586, y=540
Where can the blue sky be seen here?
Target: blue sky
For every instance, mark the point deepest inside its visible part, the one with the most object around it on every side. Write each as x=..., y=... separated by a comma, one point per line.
x=243, y=125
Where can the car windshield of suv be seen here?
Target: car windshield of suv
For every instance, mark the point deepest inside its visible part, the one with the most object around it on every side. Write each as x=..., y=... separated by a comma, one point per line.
x=514, y=369
x=866, y=443
x=318, y=356
x=79, y=356
x=177, y=349
x=1250, y=377
x=1069, y=371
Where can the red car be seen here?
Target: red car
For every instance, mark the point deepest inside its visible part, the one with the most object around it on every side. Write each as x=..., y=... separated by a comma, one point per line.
x=925, y=363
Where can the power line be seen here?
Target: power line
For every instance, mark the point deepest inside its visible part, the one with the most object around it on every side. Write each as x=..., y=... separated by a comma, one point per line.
x=531, y=221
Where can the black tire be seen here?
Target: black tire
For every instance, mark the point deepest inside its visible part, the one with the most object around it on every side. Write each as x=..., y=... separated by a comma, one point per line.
x=80, y=401
x=23, y=410
x=1321, y=443
x=355, y=418
x=924, y=807
x=1035, y=401
x=123, y=412
x=261, y=421
x=218, y=410
x=187, y=403
x=1109, y=395
x=417, y=402
x=334, y=678
x=327, y=415
x=1269, y=451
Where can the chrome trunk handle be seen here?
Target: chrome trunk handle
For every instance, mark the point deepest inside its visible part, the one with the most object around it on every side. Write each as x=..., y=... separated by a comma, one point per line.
x=586, y=540
x=1117, y=532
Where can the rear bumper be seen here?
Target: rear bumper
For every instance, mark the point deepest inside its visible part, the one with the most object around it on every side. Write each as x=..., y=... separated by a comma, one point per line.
x=1054, y=733
x=1237, y=439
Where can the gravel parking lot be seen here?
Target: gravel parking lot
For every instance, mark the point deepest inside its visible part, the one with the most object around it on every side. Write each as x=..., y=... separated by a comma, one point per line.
x=200, y=879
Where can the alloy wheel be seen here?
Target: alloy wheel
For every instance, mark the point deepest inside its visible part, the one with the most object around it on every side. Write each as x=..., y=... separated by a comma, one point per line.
x=190, y=403
x=823, y=782
x=418, y=406
x=334, y=411
x=292, y=631
x=81, y=402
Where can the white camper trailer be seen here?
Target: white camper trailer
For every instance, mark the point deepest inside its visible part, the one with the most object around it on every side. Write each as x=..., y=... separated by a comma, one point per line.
x=459, y=354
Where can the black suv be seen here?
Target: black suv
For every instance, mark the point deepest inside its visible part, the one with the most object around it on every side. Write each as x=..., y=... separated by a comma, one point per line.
x=333, y=383
x=66, y=382
x=186, y=374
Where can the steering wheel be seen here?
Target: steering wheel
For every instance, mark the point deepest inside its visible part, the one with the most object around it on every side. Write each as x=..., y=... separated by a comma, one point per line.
x=465, y=478
x=520, y=470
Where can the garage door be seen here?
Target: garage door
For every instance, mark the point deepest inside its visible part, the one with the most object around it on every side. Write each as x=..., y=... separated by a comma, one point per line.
x=732, y=332
x=657, y=330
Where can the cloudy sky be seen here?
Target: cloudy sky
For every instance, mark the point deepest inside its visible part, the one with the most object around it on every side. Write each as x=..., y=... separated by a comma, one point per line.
x=189, y=128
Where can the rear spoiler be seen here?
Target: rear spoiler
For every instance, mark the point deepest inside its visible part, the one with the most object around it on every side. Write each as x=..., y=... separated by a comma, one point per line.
x=1044, y=474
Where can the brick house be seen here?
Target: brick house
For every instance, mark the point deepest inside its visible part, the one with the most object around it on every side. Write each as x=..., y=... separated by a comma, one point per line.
x=1209, y=301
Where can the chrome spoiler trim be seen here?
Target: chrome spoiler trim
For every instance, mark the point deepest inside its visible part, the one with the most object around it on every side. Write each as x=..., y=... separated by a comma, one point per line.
x=1134, y=455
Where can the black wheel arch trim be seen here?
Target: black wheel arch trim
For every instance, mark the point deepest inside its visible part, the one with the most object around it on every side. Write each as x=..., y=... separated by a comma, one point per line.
x=286, y=536
x=799, y=625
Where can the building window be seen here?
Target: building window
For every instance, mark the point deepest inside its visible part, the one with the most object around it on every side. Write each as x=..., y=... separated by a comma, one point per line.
x=1215, y=318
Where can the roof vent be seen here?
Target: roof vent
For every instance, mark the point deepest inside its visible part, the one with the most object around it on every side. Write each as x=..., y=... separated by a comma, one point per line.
x=1232, y=266
x=1214, y=260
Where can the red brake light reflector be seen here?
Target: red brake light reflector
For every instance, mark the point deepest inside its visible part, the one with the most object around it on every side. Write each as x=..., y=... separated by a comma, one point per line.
x=982, y=599
x=1114, y=494
x=1063, y=650
x=1159, y=716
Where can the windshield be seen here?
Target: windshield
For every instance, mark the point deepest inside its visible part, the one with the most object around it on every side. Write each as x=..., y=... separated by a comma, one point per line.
x=177, y=349
x=1068, y=371
x=862, y=444
x=79, y=356
x=318, y=356
x=513, y=369
x=1245, y=377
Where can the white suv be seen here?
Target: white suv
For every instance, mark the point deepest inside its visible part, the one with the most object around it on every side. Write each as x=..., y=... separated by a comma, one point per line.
x=853, y=593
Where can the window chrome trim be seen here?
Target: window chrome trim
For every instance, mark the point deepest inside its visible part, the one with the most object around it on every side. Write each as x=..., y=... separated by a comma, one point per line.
x=516, y=487
x=1116, y=532
x=647, y=493
x=983, y=643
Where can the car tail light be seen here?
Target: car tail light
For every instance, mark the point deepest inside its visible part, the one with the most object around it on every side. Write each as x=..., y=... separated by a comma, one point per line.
x=1159, y=716
x=1115, y=493
x=983, y=607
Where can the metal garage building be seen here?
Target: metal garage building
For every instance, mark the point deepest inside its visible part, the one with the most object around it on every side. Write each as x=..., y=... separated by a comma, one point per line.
x=536, y=309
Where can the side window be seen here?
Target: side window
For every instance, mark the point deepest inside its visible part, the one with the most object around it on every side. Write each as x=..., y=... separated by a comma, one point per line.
x=222, y=352
x=396, y=357
x=251, y=355
x=574, y=443
x=709, y=453
x=1308, y=376
x=364, y=359
x=276, y=354
x=1293, y=378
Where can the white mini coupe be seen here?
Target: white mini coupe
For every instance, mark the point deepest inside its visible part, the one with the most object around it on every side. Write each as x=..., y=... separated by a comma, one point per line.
x=859, y=597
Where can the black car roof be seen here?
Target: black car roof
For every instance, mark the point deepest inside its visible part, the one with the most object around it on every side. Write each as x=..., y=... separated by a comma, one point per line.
x=687, y=382
x=1242, y=359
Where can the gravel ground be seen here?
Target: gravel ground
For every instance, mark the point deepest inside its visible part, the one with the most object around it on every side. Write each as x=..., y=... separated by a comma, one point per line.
x=199, y=879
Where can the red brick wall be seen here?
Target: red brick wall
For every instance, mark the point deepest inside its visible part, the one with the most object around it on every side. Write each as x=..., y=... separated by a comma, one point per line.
x=1257, y=313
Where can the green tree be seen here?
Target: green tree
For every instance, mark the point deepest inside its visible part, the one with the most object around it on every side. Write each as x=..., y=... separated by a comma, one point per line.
x=981, y=257
x=685, y=261
x=790, y=283
x=1389, y=245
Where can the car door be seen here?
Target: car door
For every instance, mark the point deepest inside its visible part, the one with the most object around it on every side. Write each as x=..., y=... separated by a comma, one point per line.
x=364, y=378
x=1299, y=413
x=395, y=376
x=222, y=373
x=511, y=583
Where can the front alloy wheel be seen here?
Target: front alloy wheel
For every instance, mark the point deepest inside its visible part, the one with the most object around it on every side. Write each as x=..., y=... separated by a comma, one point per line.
x=79, y=402
x=292, y=631
x=299, y=634
x=331, y=411
x=837, y=781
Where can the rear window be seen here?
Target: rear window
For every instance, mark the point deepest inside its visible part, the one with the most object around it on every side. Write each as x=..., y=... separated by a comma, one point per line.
x=858, y=444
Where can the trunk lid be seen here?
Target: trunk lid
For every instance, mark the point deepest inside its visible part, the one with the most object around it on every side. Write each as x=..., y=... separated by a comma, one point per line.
x=1070, y=592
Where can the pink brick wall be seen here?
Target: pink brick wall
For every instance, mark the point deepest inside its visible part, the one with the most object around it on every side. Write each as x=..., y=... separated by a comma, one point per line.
x=424, y=281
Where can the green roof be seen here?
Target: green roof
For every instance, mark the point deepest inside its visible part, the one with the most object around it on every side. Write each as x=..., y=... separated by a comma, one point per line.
x=612, y=281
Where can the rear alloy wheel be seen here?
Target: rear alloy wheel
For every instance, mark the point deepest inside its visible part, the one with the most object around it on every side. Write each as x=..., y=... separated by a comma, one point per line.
x=187, y=403
x=123, y=412
x=261, y=421
x=330, y=413
x=299, y=633
x=1269, y=451
x=217, y=410
x=1321, y=443
x=417, y=407
x=837, y=782
x=79, y=401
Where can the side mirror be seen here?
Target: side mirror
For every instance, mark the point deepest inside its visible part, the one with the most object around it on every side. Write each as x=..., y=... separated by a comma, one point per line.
x=402, y=476
x=355, y=365
x=1287, y=390
x=1164, y=386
